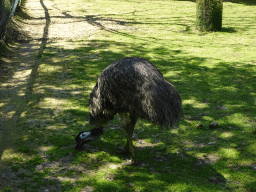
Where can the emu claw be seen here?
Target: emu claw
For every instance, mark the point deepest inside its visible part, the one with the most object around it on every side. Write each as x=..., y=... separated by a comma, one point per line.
x=135, y=162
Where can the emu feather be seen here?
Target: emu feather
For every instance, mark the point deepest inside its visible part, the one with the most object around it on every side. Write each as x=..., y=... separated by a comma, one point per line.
x=134, y=88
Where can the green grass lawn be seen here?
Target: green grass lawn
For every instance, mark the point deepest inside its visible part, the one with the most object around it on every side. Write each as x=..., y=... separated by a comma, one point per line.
x=215, y=74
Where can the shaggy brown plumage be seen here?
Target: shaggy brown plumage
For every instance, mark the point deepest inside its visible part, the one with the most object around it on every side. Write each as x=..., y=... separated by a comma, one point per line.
x=134, y=88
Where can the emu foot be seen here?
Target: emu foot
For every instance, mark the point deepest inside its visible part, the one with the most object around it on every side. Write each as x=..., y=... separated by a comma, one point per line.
x=135, y=162
x=131, y=162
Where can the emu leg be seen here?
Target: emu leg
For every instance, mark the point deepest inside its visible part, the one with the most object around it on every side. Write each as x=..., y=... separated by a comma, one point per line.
x=125, y=150
x=129, y=123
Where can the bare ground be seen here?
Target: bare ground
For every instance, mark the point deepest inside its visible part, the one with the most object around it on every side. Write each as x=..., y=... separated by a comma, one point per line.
x=20, y=85
x=49, y=24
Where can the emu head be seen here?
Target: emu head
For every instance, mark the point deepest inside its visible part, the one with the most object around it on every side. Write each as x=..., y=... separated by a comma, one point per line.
x=88, y=136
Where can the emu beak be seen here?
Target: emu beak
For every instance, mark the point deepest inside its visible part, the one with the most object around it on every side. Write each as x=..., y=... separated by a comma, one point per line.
x=79, y=145
x=88, y=136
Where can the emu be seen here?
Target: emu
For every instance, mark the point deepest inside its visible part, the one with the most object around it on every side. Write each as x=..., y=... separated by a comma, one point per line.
x=133, y=88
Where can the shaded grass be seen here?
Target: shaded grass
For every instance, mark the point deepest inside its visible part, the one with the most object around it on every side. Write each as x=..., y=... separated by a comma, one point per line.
x=214, y=73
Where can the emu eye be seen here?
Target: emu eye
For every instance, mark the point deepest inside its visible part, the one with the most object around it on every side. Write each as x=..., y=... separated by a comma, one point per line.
x=84, y=135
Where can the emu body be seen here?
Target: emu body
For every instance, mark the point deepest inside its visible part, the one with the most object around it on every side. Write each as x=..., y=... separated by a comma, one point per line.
x=134, y=88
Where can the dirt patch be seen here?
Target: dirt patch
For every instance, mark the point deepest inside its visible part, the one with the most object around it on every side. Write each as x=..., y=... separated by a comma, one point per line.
x=45, y=23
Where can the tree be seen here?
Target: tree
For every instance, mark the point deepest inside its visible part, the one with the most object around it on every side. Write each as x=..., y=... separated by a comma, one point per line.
x=209, y=15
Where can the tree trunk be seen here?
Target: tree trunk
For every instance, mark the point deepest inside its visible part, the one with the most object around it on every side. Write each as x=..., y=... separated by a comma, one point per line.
x=209, y=15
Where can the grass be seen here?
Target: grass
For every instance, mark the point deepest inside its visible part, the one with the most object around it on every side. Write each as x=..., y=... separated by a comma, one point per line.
x=214, y=73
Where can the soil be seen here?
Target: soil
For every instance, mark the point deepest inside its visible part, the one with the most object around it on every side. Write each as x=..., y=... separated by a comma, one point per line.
x=40, y=24
x=43, y=23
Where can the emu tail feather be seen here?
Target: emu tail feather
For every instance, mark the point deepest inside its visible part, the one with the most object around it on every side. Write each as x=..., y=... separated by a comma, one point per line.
x=134, y=85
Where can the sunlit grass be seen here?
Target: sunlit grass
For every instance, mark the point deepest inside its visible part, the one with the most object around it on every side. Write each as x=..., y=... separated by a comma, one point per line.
x=214, y=73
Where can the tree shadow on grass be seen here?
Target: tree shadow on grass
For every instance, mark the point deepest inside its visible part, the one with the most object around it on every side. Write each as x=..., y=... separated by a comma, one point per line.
x=157, y=169
x=56, y=127
x=245, y=2
x=228, y=30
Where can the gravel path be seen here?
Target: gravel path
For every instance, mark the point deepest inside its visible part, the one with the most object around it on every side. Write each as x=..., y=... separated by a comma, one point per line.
x=19, y=70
